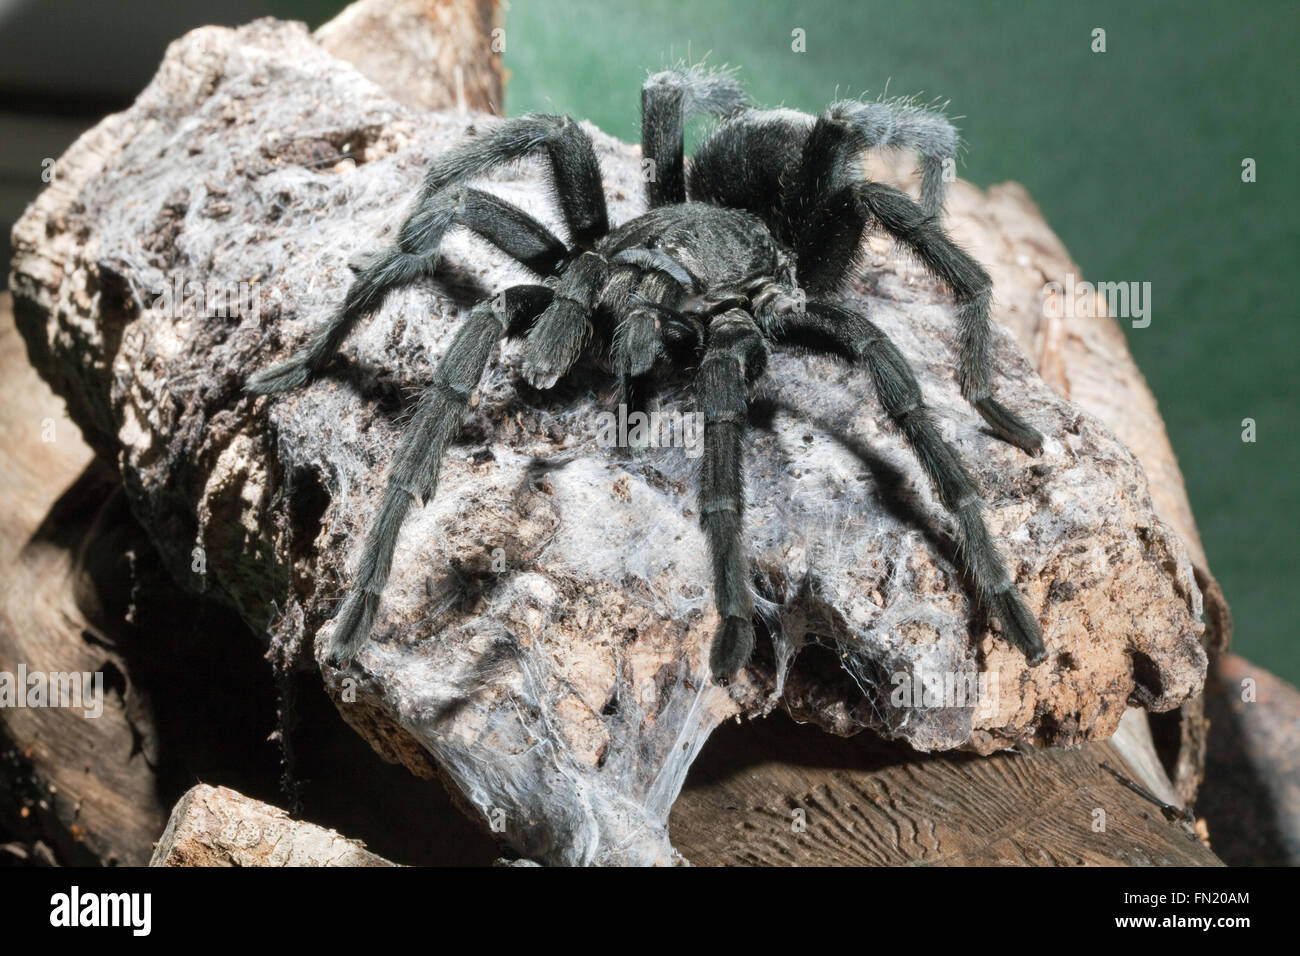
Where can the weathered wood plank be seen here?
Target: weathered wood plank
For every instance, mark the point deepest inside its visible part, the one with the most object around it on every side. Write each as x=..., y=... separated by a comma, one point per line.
x=83, y=786
x=865, y=802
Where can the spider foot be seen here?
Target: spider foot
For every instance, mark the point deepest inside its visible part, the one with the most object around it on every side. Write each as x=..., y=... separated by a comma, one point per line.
x=288, y=375
x=1019, y=625
x=732, y=646
x=1009, y=426
x=553, y=346
x=352, y=627
x=541, y=375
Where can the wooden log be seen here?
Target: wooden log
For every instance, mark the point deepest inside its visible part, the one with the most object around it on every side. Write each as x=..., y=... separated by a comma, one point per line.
x=1251, y=794
x=430, y=54
x=84, y=787
x=217, y=826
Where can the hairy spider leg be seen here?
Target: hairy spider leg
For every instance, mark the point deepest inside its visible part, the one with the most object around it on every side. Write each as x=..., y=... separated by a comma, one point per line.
x=742, y=162
x=901, y=124
x=682, y=337
x=668, y=100
x=575, y=174
x=735, y=355
x=414, y=470
x=837, y=331
x=415, y=255
x=563, y=329
x=638, y=343
x=829, y=240
x=592, y=284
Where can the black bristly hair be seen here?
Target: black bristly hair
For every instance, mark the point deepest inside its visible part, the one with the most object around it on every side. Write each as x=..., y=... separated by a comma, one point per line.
x=742, y=251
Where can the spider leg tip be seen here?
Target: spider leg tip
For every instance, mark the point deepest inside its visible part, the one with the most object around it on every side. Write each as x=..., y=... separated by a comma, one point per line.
x=732, y=647
x=540, y=378
x=339, y=656
x=1009, y=426
x=1027, y=439
x=277, y=379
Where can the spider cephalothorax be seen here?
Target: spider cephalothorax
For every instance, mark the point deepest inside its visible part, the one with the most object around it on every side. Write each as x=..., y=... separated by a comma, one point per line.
x=742, y=252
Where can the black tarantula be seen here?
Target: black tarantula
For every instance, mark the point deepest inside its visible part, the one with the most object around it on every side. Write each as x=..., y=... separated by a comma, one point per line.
x=743, y=251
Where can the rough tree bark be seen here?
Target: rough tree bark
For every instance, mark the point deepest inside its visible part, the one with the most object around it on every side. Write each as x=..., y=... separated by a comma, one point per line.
x=161, y=394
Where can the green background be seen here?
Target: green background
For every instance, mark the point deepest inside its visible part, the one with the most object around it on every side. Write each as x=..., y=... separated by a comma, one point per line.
x=1134, y=156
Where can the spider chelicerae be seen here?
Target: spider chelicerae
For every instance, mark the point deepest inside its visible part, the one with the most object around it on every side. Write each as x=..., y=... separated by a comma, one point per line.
x=742, y=251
